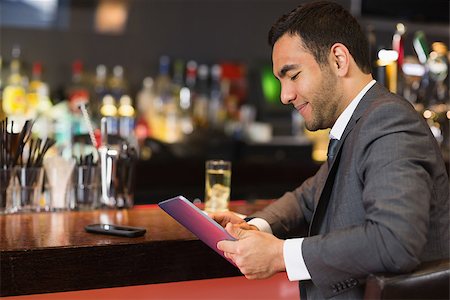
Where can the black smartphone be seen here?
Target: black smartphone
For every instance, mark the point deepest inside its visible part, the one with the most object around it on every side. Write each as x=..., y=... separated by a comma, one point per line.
x=118, y=230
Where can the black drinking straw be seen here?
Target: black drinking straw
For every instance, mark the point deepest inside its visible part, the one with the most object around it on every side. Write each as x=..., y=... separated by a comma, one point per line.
x=24, y=137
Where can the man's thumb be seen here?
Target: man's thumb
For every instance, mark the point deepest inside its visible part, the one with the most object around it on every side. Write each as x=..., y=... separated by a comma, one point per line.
x=235, y=231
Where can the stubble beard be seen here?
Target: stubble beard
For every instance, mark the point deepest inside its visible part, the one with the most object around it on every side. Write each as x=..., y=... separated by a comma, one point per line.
x=324, y=104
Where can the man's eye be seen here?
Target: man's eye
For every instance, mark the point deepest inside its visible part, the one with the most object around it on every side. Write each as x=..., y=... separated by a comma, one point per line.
x=295, y=76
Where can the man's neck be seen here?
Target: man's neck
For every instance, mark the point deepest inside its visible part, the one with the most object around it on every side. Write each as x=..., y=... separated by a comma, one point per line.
x=344, y=117
x=353, y=86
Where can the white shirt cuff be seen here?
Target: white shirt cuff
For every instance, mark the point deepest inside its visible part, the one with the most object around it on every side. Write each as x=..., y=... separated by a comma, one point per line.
x=293, y=259
x=261, y=224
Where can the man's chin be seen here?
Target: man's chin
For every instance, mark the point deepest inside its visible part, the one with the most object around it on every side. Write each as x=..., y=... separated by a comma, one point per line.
x=312, y=127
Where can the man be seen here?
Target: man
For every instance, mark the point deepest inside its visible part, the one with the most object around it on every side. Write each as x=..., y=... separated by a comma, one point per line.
x=381, y=204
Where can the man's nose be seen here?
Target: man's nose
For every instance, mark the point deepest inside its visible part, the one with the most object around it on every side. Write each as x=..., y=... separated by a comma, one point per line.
x=287, y=95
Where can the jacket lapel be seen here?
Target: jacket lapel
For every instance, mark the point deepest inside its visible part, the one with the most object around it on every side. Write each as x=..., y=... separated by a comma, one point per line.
x=373, y=93
x=322, y=203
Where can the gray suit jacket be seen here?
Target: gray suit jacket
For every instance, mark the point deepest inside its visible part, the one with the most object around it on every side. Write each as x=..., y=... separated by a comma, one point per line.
x=389, y=206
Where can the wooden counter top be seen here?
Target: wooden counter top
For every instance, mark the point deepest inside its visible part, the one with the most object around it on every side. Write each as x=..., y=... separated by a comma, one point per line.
x=51, y=252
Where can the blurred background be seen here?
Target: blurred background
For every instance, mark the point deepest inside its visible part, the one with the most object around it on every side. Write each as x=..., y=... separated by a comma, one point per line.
x=183, y=81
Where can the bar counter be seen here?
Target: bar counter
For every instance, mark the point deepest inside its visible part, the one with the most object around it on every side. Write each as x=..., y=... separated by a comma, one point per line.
x=51, y=252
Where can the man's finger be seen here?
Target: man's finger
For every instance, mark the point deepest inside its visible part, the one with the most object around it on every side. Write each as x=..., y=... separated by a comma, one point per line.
x=227, y=246
x=235, y=231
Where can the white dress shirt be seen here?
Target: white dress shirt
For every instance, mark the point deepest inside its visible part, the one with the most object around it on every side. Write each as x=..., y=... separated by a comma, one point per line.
x=292, y=248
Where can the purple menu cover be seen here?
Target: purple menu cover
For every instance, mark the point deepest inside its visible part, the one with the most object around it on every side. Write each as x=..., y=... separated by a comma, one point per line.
x=199, y=223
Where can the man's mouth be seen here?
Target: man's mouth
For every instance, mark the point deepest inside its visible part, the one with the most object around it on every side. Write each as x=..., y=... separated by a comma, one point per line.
x=300, y=107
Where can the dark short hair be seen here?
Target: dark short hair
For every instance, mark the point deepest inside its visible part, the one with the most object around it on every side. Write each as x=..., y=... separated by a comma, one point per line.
x=320, y=25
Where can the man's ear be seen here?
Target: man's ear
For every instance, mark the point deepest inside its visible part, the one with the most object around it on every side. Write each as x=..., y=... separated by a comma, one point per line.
x=340, y=59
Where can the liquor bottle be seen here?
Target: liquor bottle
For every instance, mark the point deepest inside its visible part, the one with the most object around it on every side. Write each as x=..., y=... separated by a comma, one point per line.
x=38, y=91
x=163, y=81
x=178, y=82
x=61, y=116
x=39, y=103
x=146, y=98
x=420, y=45
x=109, y=111
x=234, y=85
x=182, y=96
x=202, y=98
x=398, y=46
x=165, y=125
x=99, y=91
x=216, y=109
x=78, y=93
x=398, y=43
x=438, y=66
x=189, y=93
x=14, y=93
x=117, y=84
x=191, y=74
x=126, y=115
x=178, y=74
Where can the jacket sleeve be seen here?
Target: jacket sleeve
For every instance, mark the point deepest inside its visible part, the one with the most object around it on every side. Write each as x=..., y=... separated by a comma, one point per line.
x=290, y=215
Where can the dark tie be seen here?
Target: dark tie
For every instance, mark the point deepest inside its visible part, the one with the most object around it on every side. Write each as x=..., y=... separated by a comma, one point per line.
x=332, y=147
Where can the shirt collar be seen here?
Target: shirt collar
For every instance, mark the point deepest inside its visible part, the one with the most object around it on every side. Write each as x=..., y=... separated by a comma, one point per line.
x=338, y=128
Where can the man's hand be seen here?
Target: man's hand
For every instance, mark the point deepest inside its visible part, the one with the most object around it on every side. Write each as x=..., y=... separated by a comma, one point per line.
x=223, y=218
x=257, y=254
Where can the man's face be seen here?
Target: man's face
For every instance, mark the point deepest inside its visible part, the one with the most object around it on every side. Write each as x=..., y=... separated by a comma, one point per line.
x=312, y=89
